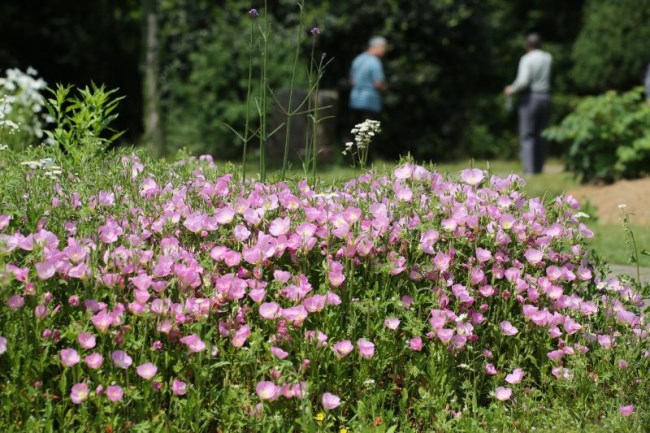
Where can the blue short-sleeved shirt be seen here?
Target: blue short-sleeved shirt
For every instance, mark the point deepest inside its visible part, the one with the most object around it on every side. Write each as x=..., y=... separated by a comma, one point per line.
x=366, y=70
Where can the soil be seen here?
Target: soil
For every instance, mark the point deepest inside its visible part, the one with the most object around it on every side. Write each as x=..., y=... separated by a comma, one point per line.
x=635, y=194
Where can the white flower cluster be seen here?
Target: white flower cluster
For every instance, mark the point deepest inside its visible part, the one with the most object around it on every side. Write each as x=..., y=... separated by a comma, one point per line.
x=46, y=164
x=363, y=133
x=21, y=102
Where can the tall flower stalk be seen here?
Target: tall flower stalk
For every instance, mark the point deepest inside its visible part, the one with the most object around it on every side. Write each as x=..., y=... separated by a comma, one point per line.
x=290, y=112
x=314, y=116
x=253, y=13
x=263, y=93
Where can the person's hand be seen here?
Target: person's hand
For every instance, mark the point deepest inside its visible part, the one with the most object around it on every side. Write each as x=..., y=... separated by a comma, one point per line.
x=507, y=90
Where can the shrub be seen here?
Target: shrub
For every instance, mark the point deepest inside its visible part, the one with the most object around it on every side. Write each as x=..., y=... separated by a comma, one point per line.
x=22, y=117
x=175, y=297
x=610, y=51
x=608, y=136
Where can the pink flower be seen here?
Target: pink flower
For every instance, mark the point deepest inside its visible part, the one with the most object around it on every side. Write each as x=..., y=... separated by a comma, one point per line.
x=193, y=343
x=79, y=393
x=114, y=393
x=333, y=298
x=366, y=348
x=502, y=393
x=142, y=281
x=335, y=274
x=179, y=387
x=241, y=335
x=147, y=370
x=121, y=359
x=622, y=364
x=279, y=353
x=86, y=340
x=3, y=345
x=626, y=410
x=483, y=255
x=442, y=261
x=69, y=357
x=415, y=344
x=4, y=221
x=294, y=314
x=533, y=256
x=94, y=360
x=280, y=226
x=102, y=320
x=330, y=401
x=605, y=341
x=269, y=310
x=507, y=328
x=561, y=373
x=315, y=303
x=490, y=369
x=472, y=176
x=391, y=323
x=267, y=390
x=515, y=377
x=281, y=276
x=445, y=335
x=342, y=348
x=45, y=270
x=407, y=301
x=15, y=302
x=403, y=172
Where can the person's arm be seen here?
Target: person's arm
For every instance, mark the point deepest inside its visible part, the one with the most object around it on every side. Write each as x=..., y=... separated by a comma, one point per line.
x=523, y=78
x=378, y=77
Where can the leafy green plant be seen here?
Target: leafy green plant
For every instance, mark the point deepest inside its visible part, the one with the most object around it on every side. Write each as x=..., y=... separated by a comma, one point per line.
x=82, y=121
x=608, y=136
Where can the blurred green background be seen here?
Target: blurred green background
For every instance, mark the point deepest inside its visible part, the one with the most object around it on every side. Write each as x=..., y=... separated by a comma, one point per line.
x=447, y=64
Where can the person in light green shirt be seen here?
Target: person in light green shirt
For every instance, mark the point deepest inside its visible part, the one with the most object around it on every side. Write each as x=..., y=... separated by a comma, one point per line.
x=533, y=83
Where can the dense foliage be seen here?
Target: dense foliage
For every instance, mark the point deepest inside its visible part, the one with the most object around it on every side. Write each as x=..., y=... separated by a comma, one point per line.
x=608, y=136
x=612, y=50
x=448, y=63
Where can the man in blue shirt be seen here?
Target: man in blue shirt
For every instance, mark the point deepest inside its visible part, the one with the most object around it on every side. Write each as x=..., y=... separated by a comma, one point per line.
x=367, y=80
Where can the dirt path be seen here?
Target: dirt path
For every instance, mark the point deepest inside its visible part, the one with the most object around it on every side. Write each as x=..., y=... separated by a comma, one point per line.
x=631, y=271
x=635, y=194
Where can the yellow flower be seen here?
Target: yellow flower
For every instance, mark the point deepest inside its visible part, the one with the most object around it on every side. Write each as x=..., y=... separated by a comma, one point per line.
x=344, y=430
x=320, y=416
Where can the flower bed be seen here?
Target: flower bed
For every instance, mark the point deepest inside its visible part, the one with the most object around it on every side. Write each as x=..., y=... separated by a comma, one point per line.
x=176, y=296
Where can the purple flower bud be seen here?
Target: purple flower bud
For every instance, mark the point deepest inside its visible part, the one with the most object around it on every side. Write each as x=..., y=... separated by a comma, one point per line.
x=253, y=13
x=315, y=31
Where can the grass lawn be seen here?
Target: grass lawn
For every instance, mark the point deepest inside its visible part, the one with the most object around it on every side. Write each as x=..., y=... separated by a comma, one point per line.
x=610, y=241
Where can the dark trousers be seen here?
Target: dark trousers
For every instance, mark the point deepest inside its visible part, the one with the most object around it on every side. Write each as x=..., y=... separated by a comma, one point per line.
x=534, y=115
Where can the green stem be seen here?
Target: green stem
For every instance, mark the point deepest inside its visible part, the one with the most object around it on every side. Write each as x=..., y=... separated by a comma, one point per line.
x=265, y=36
x=248, y=102
x=314, y=151
x=310, y=107
x=289, y=107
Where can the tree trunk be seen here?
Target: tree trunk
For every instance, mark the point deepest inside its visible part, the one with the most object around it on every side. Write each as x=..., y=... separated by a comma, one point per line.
x=153, y=136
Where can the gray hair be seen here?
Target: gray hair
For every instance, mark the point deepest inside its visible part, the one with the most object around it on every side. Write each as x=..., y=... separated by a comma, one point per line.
x=377, y=41
x=533, y=41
